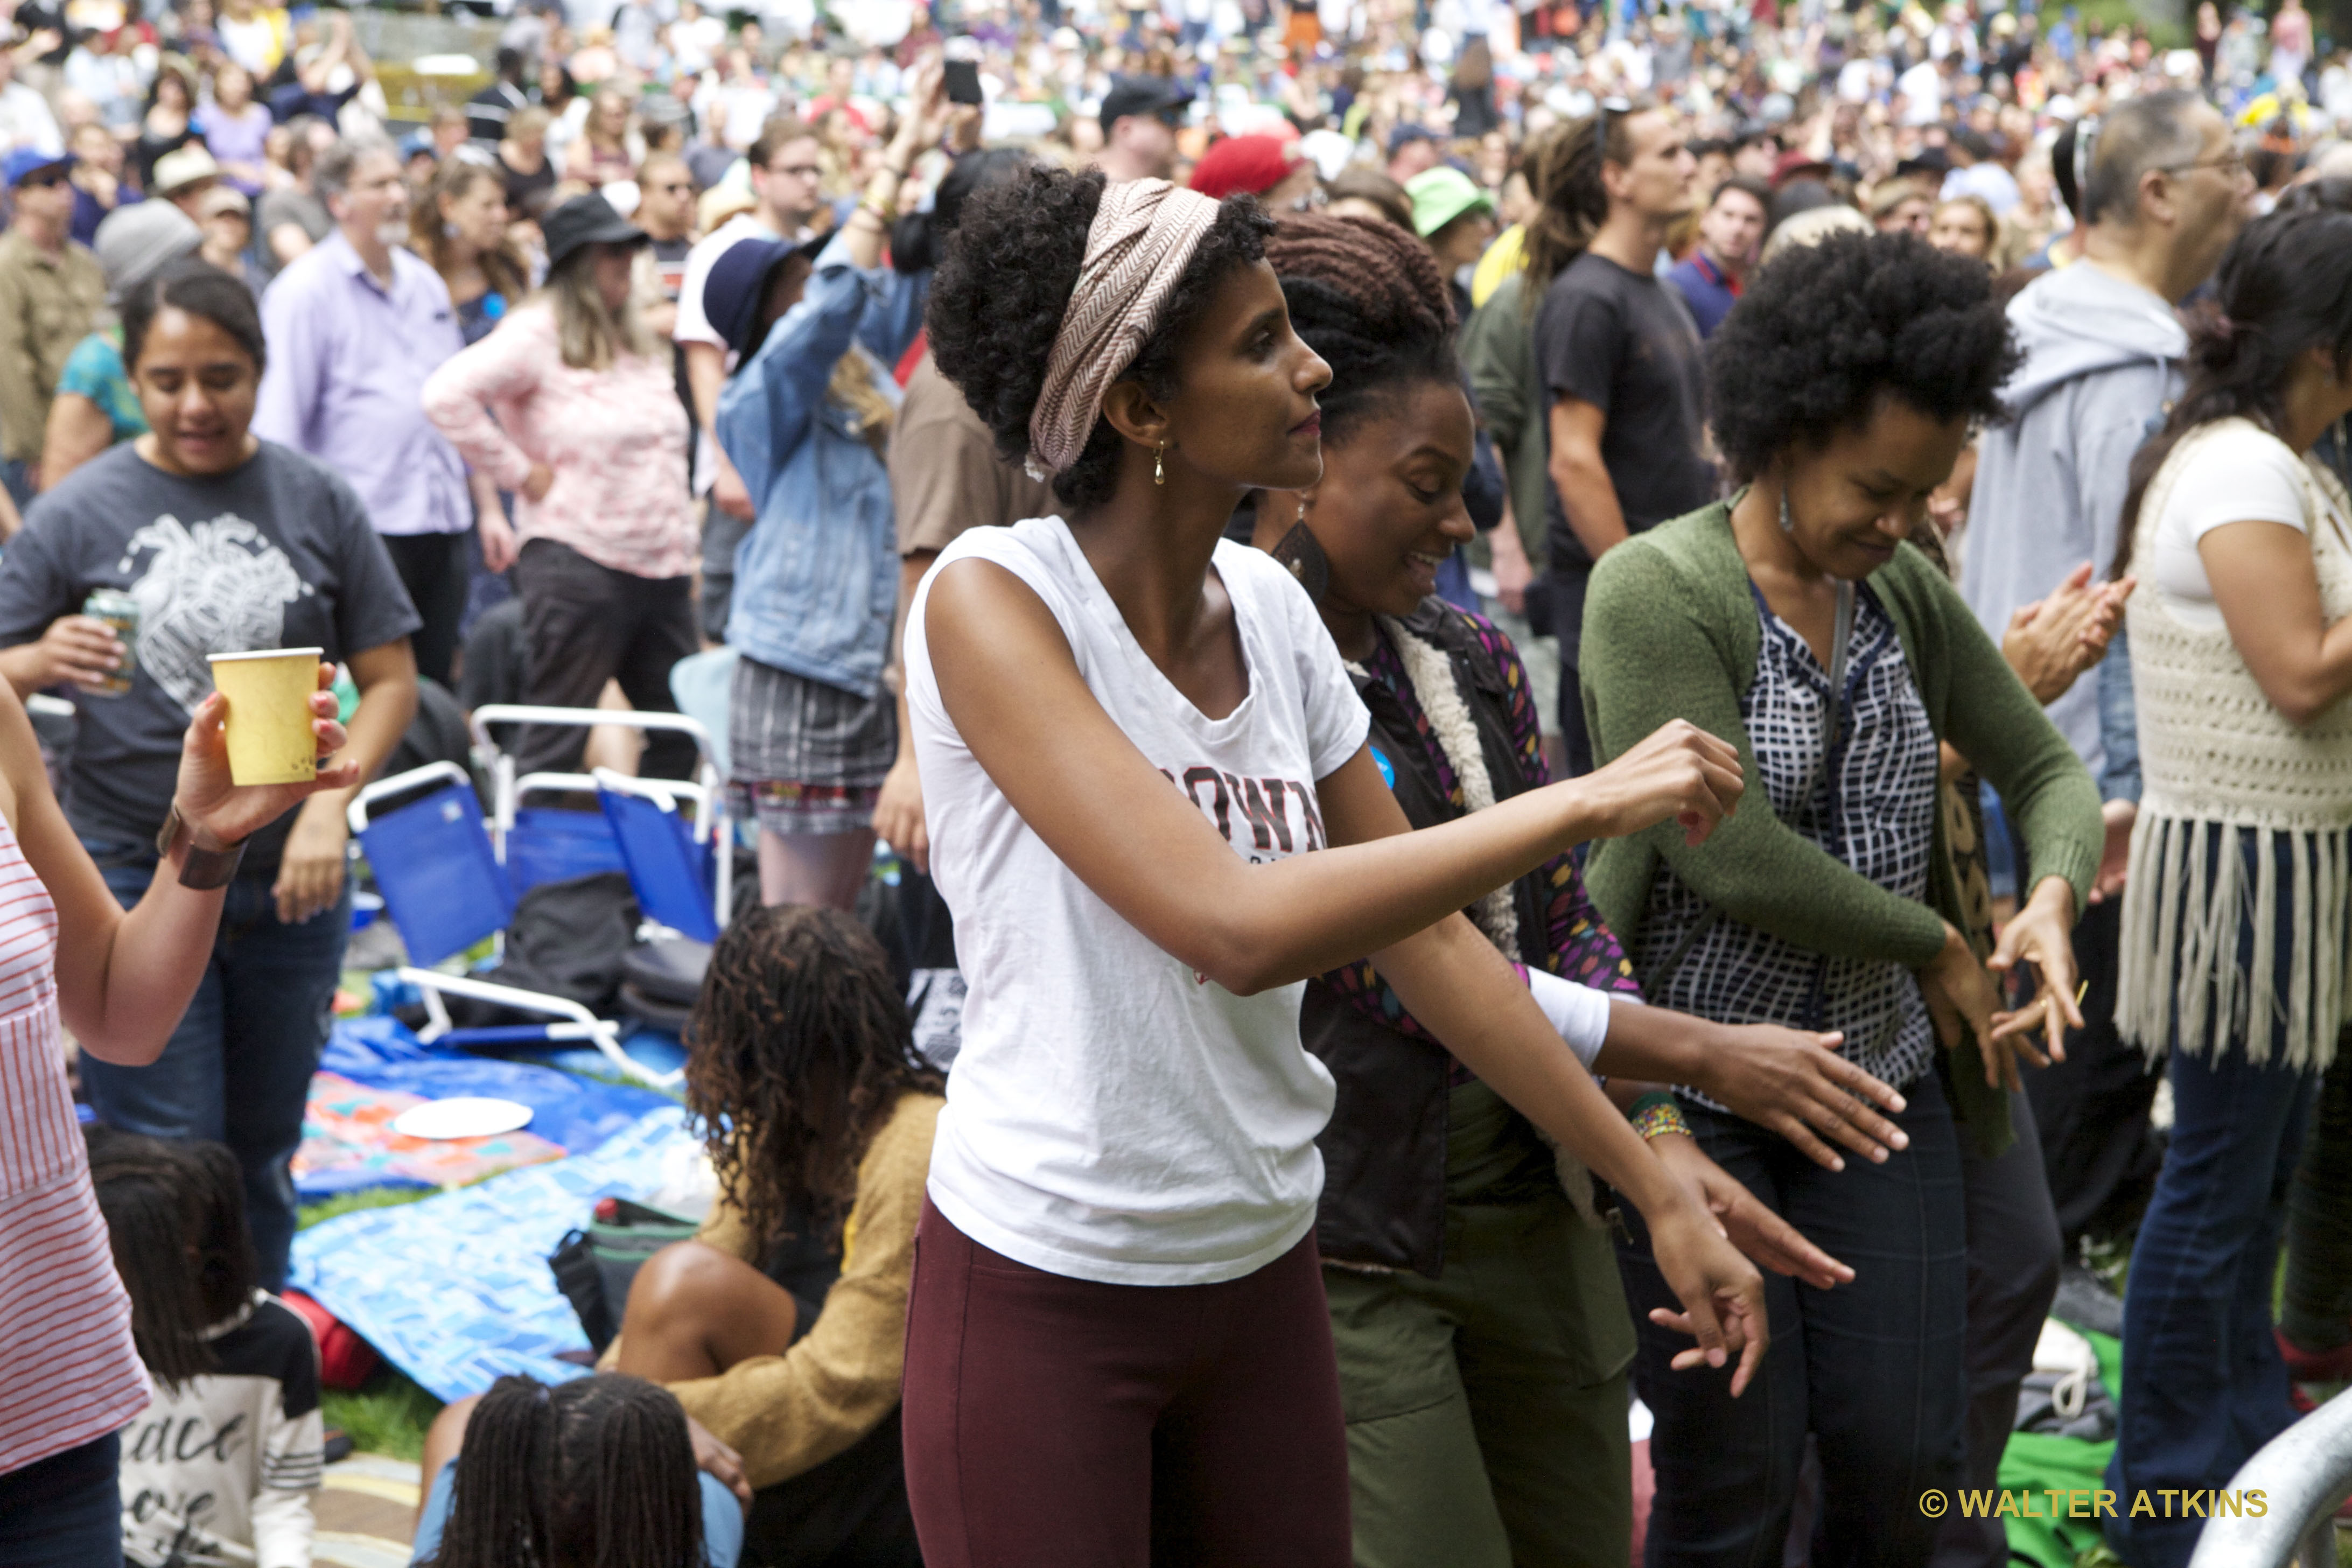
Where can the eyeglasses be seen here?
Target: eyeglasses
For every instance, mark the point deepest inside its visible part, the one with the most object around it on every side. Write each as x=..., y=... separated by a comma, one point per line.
x=799, y=171
x=2231, y=163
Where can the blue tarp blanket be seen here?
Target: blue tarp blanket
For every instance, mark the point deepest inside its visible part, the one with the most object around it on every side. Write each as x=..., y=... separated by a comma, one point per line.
x=455, y=1290
x=578, y=1114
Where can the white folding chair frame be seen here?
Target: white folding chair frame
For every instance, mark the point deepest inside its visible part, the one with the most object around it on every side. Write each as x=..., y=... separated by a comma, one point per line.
x=577, y=1022
x=706, y=791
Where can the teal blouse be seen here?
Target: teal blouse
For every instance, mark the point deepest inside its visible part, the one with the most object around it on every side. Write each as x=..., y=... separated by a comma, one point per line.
x=94, y=370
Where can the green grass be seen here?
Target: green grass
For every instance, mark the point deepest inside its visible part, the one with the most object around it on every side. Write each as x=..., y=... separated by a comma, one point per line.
x=387, y=1415
x=342, y=1203
x=2166, y=32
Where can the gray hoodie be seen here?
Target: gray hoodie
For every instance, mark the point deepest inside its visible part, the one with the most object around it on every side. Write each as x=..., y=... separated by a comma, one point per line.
x=2102, y=362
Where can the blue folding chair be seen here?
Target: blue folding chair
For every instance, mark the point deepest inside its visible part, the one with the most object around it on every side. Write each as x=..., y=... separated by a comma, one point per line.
x=680, y=879
x=545, y=844
x=446, y=889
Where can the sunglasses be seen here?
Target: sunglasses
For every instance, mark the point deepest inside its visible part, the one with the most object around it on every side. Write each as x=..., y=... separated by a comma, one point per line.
x=1606, y=110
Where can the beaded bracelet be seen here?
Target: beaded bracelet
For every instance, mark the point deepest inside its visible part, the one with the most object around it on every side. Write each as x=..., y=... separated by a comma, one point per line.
x=1657, y=1114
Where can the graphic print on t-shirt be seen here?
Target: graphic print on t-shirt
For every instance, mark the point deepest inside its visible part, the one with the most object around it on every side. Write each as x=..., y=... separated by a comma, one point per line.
x=1260, y=809
x=220, y=586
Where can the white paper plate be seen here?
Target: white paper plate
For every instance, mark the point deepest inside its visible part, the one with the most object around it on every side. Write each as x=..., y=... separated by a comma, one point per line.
x=466, y=1116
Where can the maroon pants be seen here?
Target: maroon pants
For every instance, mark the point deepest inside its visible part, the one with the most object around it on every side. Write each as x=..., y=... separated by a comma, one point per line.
x=1061, y=1421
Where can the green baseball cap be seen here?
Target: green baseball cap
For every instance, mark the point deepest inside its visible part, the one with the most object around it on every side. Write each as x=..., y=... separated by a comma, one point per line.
x=1442, y=195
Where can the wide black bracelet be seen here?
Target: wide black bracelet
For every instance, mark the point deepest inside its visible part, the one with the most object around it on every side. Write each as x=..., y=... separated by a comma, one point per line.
x=200, y=870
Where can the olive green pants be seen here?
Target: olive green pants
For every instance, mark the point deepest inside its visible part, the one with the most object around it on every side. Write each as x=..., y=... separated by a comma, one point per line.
x=1487, y=1408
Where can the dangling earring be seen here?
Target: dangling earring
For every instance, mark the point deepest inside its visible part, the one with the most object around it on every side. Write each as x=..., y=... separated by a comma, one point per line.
x=1301, y=553
x=1787, y=523
x=1160, y=464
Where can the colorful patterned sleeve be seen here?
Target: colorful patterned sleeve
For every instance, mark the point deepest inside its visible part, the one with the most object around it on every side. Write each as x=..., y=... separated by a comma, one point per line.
x=1518, y=696
x=1579, y=944
x=1582, y=947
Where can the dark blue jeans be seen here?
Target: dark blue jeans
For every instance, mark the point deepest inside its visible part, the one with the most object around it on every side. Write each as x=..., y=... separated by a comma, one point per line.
x=2203, y=1384
x=1875, y=1370
x=65, y=1511
x=237, y=1070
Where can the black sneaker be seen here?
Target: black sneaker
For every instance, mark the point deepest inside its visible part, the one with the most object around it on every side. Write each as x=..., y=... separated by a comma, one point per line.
x=339, y=1444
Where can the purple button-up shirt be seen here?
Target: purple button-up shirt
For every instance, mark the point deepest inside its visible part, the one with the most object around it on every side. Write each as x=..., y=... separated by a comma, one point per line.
x=348, y=360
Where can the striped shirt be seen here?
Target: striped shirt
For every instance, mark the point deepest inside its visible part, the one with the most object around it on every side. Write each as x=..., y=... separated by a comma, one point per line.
x=69, y=1373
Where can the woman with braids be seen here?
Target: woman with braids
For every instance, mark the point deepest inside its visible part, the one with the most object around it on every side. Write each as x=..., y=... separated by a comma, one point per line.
x=781, y=1327
x=598, y=1471
x=1131, y=734
x=1795, y=621
x=1476, y=1307
x=2237, y=924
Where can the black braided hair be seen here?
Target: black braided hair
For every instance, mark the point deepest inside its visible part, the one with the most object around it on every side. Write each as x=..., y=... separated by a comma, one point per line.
x=595, y=1473
x=1369, y=298
x=1005, y=283
x=798, y=1049
x=1823, y=331
x=175, y=1217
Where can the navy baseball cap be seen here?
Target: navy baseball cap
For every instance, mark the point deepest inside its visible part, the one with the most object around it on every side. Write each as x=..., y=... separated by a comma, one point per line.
x=1128, y=95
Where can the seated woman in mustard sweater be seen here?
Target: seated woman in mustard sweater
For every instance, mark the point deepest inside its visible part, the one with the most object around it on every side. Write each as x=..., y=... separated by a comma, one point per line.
x=780, y=1327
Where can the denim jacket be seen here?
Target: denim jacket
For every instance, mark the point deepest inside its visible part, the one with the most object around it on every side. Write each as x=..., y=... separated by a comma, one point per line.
x=816, y=578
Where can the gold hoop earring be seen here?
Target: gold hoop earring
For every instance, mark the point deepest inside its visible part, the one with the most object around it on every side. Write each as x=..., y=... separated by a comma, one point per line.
x=1160, y=464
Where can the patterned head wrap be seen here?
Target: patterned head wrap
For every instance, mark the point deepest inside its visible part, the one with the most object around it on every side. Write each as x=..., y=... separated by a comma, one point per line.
x=1142, y=239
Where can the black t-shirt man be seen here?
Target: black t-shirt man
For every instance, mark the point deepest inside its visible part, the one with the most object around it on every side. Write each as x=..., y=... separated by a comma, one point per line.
x=1624, y=342
x=278, y=553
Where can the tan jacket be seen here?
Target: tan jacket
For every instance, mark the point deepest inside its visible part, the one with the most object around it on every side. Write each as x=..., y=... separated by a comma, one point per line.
x=48, y=304
x=789, y=1413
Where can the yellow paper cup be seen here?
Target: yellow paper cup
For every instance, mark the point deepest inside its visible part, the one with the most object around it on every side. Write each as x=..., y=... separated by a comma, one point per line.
x=268, y=692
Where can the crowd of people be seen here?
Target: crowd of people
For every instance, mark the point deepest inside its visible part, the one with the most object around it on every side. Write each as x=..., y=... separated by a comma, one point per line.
x=1790, y=565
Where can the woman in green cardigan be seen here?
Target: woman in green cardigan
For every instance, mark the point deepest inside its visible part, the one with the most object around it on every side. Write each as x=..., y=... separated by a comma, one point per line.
x=1796, y=621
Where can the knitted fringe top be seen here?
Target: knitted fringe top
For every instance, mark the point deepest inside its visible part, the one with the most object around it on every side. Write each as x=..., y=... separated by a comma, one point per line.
x=2233, y=790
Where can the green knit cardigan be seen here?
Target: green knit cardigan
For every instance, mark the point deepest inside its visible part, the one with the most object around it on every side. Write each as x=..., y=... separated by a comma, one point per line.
x=1670, y=632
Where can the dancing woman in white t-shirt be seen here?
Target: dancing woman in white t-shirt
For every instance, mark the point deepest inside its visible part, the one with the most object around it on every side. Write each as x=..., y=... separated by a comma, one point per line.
x=1129, y=732
x=2237, y=911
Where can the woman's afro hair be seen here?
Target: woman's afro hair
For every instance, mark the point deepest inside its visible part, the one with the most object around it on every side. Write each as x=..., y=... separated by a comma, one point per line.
x=1825, y=330
x=1006, y=281
x=1369, y=299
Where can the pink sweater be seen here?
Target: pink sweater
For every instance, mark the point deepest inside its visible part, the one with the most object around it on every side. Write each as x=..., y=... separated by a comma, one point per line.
x=615, y=440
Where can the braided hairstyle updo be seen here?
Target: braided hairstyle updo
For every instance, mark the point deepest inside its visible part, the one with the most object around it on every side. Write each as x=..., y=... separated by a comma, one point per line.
x=1369, y=298
x=1006, y=281
x=797, y=1051
x=598, y=1471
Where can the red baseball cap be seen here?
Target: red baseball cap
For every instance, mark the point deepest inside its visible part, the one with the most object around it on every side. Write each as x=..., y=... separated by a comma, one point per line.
x=1251, y=163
